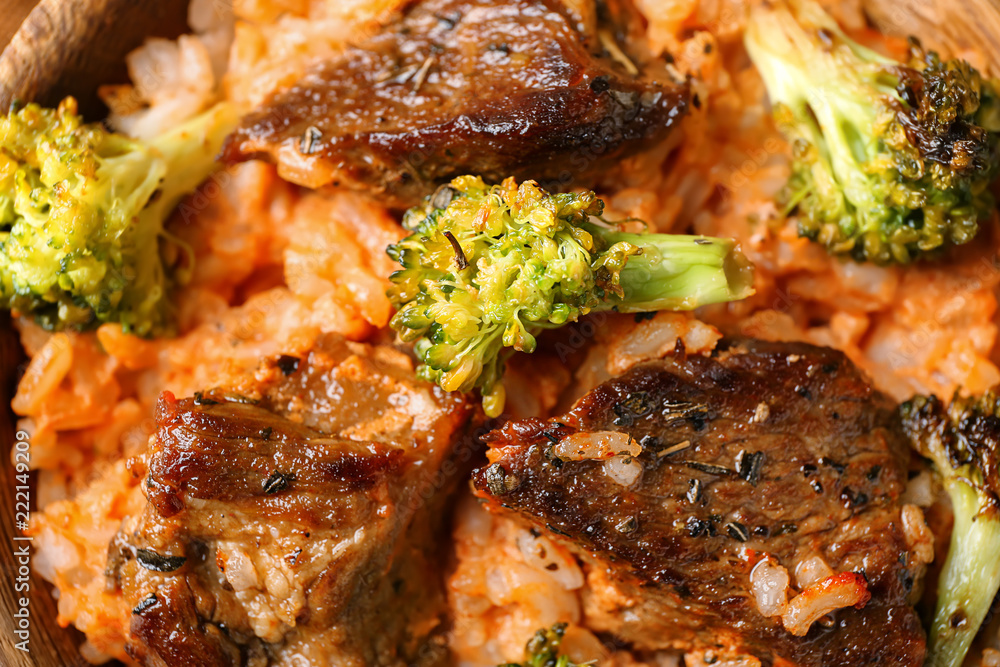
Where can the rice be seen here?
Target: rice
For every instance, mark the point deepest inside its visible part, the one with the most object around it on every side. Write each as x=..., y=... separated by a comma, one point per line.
x=918, y=536
x=596, y=445
x=71, y=548
x=811, y=570
x=769, y=587
x=174, y=80
x=820, y=591
x=276, y=267
x=655, y=338
x=498, y=597
x=847, y=589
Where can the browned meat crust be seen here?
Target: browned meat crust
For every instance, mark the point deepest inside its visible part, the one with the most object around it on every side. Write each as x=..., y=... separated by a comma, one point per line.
x=767, y=450
x=289, y=471
x=462, y=86
x=165, y=624
x=268, y=539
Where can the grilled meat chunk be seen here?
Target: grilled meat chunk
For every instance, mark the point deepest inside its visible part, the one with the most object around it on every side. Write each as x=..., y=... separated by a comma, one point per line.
x=202, y=453
x=282, y=527
x=727, y=504
x=463, y=86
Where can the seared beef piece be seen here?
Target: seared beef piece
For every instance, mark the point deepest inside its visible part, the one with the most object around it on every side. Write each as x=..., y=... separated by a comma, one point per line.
x=267, y=539
x=488, y=87
x=211, y=448
x=765, y=451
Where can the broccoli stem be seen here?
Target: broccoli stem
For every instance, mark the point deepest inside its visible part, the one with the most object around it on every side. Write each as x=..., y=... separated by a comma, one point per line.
x=677, y=272
x=190, y=151
x=189, y=154
x=962, y=440
x=970, y=577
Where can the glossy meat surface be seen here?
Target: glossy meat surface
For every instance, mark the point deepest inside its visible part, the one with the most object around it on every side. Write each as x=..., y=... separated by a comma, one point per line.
x=766, y=453
x=203, y=455
x=269, y=540
x=453, y=87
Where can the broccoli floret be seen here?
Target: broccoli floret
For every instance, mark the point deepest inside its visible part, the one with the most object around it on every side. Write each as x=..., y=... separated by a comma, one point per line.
x=82, y=212
x=542, y=650
x=890, y=161
x=963, y=442
x=487, y=268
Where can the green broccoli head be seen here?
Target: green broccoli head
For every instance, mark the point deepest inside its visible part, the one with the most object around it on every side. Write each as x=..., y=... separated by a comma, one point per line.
x=542, y=650
x=82, y=212
x=963, y=441
x=487, y=268
x=891, y=161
